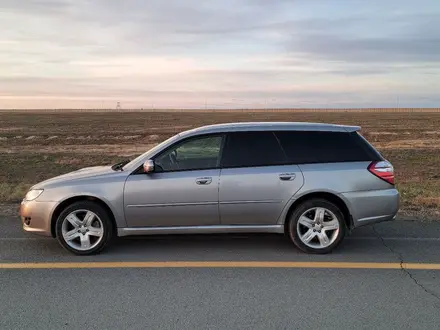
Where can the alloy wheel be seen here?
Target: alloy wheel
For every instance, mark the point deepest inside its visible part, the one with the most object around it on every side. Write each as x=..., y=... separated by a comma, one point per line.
x=82, y=230
x=318, y=228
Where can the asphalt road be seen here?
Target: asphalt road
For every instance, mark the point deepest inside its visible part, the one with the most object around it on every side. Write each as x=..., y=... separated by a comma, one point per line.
x=224, y=297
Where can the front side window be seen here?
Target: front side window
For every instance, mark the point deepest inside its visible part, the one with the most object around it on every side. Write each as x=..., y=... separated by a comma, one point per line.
x=249, y=149
x=193, y=154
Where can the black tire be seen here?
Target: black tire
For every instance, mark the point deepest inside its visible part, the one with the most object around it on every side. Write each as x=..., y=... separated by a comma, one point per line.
x=292, y=228
x=107, y=226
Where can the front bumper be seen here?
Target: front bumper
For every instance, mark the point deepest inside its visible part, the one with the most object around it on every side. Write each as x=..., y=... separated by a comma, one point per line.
x=36, y=216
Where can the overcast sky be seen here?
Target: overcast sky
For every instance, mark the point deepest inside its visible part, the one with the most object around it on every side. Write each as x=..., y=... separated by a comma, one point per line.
x=228, y=53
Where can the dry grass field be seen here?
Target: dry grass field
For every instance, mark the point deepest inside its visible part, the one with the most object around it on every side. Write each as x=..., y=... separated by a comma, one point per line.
x=38, y=145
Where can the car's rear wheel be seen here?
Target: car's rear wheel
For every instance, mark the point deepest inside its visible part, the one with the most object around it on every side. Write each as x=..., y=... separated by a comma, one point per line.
x=84, y=228
x=316, y=226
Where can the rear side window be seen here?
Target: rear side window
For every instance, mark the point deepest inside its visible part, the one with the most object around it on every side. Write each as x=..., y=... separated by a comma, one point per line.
x=247, y=149
x=304, y=147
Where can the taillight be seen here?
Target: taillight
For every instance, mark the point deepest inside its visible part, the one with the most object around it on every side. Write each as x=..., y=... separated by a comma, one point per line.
x=382, y=169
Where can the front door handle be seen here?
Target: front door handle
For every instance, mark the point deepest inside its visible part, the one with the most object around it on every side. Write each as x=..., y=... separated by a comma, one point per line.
x=204, y=180
x=287, y=176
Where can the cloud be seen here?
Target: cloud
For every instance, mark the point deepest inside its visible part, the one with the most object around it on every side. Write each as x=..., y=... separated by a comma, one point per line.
x=424, y=48
x=396, y=39
x=291, y=51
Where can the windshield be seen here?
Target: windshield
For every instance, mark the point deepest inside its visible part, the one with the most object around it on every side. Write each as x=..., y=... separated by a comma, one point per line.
x=150, y=152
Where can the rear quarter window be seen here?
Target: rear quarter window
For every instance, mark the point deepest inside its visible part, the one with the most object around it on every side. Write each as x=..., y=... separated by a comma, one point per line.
x=303, y=147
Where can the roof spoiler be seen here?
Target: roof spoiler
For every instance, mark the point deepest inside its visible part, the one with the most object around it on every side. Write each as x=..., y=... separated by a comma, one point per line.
x=352, y=128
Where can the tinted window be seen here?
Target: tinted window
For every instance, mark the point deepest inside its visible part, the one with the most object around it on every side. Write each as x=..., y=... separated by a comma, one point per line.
x=373, y=153
x=245, y=149
x=323, y=147
x=197, y=153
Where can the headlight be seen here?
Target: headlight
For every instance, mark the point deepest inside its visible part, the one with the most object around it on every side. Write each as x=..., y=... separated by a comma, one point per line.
x=33, y=194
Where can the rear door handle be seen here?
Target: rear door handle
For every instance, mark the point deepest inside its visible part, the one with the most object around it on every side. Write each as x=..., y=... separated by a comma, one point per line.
x=287, y=176
x=204, y=180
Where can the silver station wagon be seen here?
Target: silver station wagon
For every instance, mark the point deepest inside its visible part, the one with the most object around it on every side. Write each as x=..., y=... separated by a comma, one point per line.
x=312, y=182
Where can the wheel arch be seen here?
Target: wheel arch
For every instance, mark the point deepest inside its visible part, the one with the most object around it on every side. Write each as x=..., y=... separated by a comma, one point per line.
x=329, y=196
x=73, y=199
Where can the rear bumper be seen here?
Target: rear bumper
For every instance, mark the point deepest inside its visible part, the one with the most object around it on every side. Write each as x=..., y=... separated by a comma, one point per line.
x=36, y=217
x=373, y=206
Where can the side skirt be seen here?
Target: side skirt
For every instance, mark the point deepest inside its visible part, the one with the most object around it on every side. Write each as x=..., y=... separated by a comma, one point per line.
x=278, y=229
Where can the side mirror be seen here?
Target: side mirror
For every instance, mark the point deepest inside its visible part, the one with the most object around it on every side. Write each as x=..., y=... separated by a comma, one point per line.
x=149, y=166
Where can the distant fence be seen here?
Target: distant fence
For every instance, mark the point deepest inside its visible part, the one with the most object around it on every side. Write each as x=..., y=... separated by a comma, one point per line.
x=232, y=110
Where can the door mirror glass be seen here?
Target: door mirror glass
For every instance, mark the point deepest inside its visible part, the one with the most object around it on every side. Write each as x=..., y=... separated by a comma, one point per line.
x=149, y=166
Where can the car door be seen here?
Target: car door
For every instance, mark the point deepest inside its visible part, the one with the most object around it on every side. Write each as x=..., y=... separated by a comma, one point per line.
x=183, y=188
x=256, y=181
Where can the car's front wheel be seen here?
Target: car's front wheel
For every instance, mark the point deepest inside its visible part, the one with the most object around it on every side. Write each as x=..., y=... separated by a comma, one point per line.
x=316, y=226
x=84, y=228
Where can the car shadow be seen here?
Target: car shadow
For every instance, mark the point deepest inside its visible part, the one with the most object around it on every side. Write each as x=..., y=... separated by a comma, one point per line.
x=237, y=247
